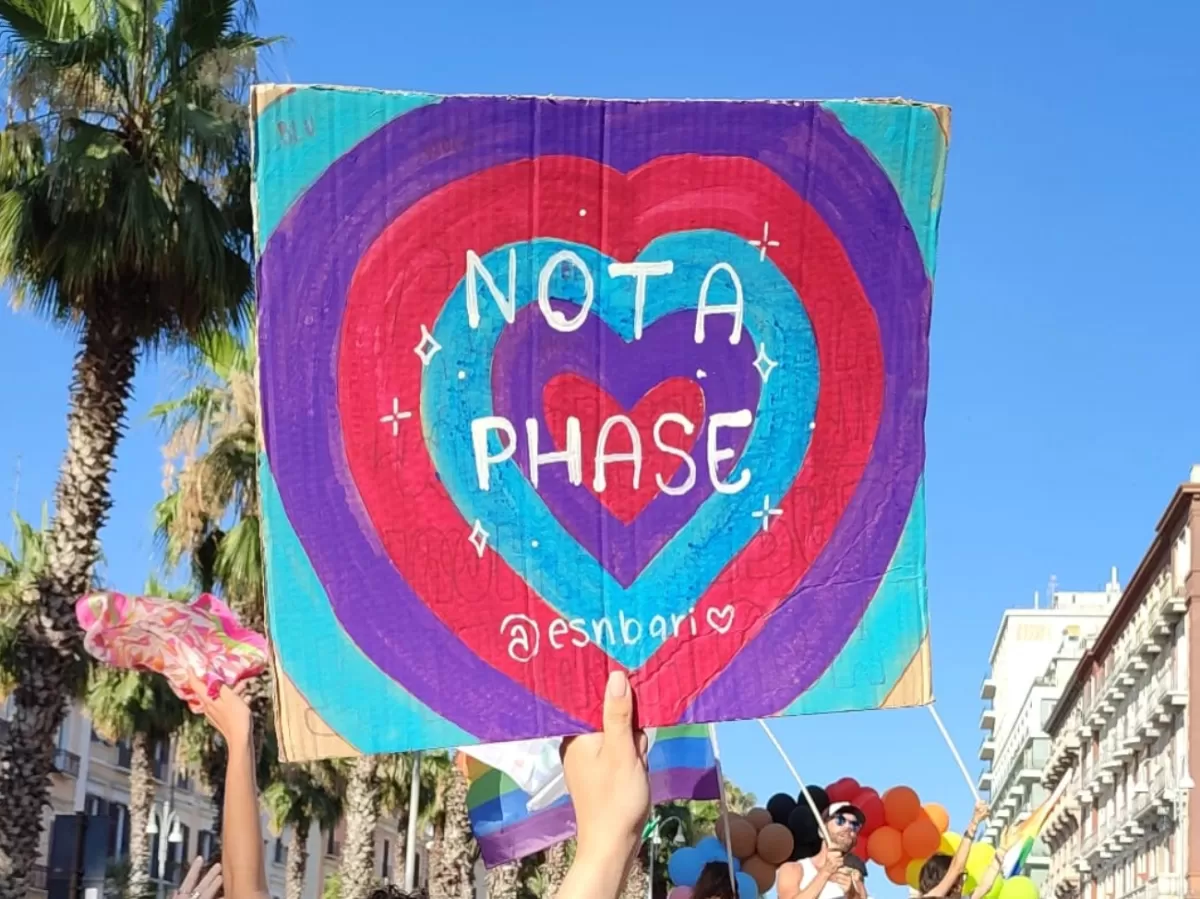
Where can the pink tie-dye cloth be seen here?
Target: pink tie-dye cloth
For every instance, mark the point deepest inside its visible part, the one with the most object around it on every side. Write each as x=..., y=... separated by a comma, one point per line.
x=178, y=640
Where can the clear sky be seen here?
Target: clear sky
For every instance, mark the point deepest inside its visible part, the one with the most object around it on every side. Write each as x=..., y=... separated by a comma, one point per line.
x=1064, y=353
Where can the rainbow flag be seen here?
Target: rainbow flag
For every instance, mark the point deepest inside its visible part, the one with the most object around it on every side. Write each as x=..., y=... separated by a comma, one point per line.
x=1017, y=841
x=682, y=766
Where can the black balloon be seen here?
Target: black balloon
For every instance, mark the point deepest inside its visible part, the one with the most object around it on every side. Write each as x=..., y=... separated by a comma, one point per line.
x=819, y=797
x=780, y=806
x=803, y=824
x=806, y=850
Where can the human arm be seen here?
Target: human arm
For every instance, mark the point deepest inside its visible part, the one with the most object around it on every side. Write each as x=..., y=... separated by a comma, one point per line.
x=989, y=878
x=958, y=864
x=196, y=887
x=241, y=836
x=791, y=876
x=609, y=783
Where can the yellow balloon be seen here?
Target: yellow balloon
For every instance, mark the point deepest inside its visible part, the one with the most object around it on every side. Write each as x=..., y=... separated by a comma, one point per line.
x=994, y=892
x=913, y=873
x=1019, y=888
x=980, y=857
x=969, y=885
x=949, y=844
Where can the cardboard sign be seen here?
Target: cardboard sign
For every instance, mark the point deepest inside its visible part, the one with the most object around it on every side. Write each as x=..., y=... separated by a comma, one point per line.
x=551, y=387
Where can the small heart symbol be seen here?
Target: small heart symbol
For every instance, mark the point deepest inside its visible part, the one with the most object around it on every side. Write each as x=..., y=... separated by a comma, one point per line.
x=720, y=620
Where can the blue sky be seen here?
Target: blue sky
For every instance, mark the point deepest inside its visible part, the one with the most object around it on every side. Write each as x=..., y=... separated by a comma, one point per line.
x=1059, y=416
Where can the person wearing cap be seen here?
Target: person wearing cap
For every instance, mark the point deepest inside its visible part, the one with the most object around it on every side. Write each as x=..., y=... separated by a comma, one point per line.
x=827, y=875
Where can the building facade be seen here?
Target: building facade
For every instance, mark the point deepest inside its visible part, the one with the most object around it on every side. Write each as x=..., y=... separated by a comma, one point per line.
x=92, y=777
x=1121, y=732
x=1034, y=655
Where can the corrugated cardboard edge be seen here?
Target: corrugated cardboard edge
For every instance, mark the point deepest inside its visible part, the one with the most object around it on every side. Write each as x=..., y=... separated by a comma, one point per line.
x=303, y=734
x=272, y=92
x=915, y=686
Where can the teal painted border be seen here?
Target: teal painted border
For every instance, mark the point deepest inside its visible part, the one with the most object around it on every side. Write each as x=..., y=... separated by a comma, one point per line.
x=288, y=159
x=912, y=150
x=892, y=630
x=359, y=702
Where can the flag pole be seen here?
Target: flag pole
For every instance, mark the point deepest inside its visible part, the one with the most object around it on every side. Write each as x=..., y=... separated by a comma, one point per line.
x=796, y=774
x=937, y=719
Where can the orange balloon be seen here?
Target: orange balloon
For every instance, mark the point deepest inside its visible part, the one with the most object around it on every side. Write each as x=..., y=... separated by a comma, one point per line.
x=900, y=807
x=898, y=874
x=886, y=847
x=921, y=838
x=938, y=815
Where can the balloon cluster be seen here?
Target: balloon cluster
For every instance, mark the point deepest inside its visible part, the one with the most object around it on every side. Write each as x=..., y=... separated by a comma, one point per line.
x=684, y=867
x=978, y=860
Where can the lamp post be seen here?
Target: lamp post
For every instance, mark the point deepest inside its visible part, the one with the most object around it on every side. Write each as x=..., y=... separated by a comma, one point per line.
x=163, y=817
x=654, y=829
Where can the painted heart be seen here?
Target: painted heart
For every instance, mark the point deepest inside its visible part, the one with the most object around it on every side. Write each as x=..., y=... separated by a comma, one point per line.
x=720, y=620
x=627, y=491
x=845, y=247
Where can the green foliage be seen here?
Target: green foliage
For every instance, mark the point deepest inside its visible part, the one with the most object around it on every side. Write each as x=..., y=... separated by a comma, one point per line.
x=20, y=567
x=307, y=793
x=124, y=163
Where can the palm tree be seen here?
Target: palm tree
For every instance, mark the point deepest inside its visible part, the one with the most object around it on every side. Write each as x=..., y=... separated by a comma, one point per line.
x=504, y=881
x=393, y=779
x=298, y=797
x=361, y=818
x=125, y=217
x=20, y=567
x=140, y=708
x=452, y=860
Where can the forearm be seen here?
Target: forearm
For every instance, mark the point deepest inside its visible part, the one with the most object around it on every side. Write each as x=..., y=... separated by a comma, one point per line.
x=813, y=890
x=989, y=879
x=241, y=840
x=597, y=875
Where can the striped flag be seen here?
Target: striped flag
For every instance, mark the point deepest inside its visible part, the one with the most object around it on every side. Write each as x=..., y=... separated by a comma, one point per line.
x=511, y=823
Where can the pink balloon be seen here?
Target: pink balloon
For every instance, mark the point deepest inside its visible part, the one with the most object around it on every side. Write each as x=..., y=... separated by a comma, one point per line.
x=680, y=893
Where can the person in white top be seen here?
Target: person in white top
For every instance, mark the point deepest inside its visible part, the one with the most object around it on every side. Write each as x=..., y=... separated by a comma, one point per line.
x=825, y=875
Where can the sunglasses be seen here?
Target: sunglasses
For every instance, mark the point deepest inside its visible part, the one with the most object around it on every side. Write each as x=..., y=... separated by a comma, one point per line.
x=848, y=821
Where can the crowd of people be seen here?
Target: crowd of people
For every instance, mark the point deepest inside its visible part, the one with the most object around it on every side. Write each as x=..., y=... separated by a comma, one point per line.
x=608, y=780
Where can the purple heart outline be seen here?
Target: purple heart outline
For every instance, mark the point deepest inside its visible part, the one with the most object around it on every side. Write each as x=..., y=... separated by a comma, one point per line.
x=529, y=353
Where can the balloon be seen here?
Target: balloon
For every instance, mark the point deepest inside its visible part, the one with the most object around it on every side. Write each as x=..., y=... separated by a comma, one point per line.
x=938, y=815
x=680, y=893
x=871, y=805
x=900, y=807
x=949, y=844
x=860, y=847
x=980, y=856
x=743, y=835
x=806, y=849
x=802, y=824
x=684, y=866
x=819, y=797
x=775, y=844
x=763, y=872
x=885, y=847
x=759, y=817
x=997, y=888
x=921, y=838
x=897, y=873
x=780, y=806
x=1019, y=888
x=912, y=875
x=711, y=850
x=746, y=886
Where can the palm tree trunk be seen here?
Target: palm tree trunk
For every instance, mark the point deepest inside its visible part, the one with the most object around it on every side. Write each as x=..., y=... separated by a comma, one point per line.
x=297, y=860
x=47, y=660
x=637, y=884
x=558, y=862
x=362, y=816
x=398, y=861
x=452, y=874
x=504, y=882
x=141, y=801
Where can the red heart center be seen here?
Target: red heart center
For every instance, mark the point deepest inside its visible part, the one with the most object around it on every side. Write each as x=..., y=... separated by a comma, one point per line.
x=568, y=395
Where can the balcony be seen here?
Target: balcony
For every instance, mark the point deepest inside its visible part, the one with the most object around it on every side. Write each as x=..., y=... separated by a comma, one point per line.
x=985, y=782
x=988, y=689
x=987, y=721
x=66, y=763
x=987, y=750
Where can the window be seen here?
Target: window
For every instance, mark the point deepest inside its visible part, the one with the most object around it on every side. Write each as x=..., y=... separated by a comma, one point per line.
x=158, y=752
x=385, y=859
x=94, y=806
x=204, y=844
x=279, y=853
x=118, y=831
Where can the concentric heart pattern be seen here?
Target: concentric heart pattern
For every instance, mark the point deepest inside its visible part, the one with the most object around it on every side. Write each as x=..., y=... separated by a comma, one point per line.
x=550, y=388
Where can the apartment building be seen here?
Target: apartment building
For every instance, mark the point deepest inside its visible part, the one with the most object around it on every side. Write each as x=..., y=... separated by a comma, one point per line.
x=1121, y=732
x=91, y=778
x=1032, y=658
